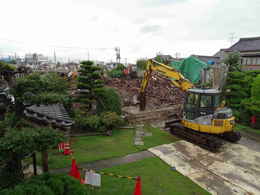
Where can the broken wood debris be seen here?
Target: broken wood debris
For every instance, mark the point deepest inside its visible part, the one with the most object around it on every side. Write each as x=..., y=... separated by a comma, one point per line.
x=159, y=93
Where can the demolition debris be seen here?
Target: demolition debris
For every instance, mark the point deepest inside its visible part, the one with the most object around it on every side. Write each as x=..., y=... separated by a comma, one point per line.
x=159, y=93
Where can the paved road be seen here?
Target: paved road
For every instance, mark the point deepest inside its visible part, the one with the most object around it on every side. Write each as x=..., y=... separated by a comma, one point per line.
x=235, y=170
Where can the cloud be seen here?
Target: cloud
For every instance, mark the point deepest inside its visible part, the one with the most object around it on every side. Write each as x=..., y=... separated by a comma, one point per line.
x=140, y=28
x=151, y=29
x=160, y=2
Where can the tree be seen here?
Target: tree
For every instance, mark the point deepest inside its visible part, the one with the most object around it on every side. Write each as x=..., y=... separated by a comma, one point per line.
x=7, y=70
x=255, y=91
x=141, y=64
x=47, y=184
x=19, y=143
x=233, y=61
x=251, y=106
x=108, y=101
x=39, y=89
x=89, y=83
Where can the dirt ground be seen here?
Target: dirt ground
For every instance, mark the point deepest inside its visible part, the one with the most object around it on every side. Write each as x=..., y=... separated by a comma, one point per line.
x=234, y=170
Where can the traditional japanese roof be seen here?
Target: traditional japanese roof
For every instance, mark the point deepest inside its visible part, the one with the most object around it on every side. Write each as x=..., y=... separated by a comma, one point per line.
x=246, y=44
x=54, y=114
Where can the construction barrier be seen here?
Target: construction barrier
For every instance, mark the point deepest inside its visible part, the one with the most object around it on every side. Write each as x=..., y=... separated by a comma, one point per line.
x=74, y=171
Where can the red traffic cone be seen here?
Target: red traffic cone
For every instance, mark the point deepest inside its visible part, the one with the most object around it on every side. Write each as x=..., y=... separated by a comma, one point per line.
x=74, y=172
x=138, y=186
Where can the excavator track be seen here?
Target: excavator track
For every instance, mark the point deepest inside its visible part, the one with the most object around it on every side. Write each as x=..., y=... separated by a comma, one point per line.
x=231, y=136
x=207, y=141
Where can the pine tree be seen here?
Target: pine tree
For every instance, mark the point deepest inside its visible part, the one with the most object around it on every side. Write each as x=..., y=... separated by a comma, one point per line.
x=89, y=83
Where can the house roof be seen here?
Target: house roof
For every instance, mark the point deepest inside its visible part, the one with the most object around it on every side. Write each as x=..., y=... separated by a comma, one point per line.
x=207, y=59
x=246, y=44
x=53, y=114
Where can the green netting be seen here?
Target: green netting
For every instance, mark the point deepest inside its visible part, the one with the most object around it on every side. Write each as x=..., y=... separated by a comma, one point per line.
x=190, y=67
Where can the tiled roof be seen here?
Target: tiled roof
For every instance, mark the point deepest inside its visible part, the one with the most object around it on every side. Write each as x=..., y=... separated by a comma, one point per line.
x=246, y=44
x=54, y=114
x=206, y=59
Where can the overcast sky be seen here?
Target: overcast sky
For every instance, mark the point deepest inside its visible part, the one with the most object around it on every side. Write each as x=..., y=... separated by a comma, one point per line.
x=141, y=28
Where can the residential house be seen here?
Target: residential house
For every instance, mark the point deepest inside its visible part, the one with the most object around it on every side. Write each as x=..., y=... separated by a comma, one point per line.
x=249, y=49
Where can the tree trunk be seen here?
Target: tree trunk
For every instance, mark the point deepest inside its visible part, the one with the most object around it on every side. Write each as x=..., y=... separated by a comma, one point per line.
x=45, y=165
x=12, y=172
x=34, y=164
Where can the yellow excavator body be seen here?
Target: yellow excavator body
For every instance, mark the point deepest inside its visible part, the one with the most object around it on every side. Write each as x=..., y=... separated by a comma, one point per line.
x=203, y=113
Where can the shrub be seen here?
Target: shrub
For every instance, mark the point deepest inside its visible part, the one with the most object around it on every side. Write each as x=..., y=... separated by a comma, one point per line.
x=108, y=101
x=115, y=73
x=255, y=91
x=242, y=94
x=88, y=123
x=111, y=120
x=98, y=123
x=47, y=184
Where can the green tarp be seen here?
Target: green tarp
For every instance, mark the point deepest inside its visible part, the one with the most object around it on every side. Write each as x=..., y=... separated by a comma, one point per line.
x=190, y=68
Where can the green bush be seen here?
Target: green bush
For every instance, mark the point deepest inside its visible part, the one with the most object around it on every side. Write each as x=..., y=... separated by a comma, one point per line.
x=47, y=184
x=91, y=123
x=111, y=120
x=98, y=123
x=108, y=101
x=115, y=73
x=242, y=93
x=255, y=91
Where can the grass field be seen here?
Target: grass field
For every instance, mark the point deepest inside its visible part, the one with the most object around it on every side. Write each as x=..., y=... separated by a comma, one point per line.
x=246, y=129
x=92, y=148
x=156, y=176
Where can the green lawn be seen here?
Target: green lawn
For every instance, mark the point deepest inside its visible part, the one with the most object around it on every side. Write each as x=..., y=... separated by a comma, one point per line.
x=247, y=129
x=92, y=148
x=157, y=179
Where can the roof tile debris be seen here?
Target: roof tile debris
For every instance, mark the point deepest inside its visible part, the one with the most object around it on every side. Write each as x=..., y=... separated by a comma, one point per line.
x=159, y=93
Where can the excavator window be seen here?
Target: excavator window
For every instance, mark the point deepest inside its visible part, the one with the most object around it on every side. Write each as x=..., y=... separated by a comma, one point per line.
x=205, y=101
x=193, y=99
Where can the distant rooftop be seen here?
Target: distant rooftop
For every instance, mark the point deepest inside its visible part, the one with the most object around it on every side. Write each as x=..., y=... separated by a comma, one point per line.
x=208, y=59
x=246, y=44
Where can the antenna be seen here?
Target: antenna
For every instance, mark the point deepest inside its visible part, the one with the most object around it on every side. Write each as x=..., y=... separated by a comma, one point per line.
x=232, y=38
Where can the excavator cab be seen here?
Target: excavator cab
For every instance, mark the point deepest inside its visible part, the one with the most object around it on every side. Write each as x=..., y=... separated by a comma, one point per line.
x=201, y=102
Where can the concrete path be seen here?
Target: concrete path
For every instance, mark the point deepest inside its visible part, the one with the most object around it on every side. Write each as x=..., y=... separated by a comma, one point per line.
x=140, y=133
x=234, y=170
x=101, y=164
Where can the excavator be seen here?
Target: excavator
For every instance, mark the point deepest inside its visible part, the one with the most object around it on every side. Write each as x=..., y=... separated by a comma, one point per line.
x=204, y=121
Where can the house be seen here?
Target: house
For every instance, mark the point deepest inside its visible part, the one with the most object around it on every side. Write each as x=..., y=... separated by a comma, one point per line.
x=249, y=49
x=167, y=58
x=208, y=59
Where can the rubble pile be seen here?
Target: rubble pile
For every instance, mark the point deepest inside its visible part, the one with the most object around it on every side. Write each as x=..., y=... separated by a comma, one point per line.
x=159, y=93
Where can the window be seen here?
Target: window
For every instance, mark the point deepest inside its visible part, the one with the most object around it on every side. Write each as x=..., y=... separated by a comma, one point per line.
x=216, y=101
x=258, y=61
x=193, y=99
x=245, y=61
x=205, y=101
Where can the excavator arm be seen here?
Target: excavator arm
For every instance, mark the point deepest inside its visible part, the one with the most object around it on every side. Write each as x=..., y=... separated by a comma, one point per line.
x=176, y=78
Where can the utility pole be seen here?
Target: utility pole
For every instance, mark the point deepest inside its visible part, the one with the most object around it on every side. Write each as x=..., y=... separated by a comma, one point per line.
x=118, y=56
x=177, y=55
x=125, y=62
x=88, y=55
x=232, y=38
x=54, y=56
